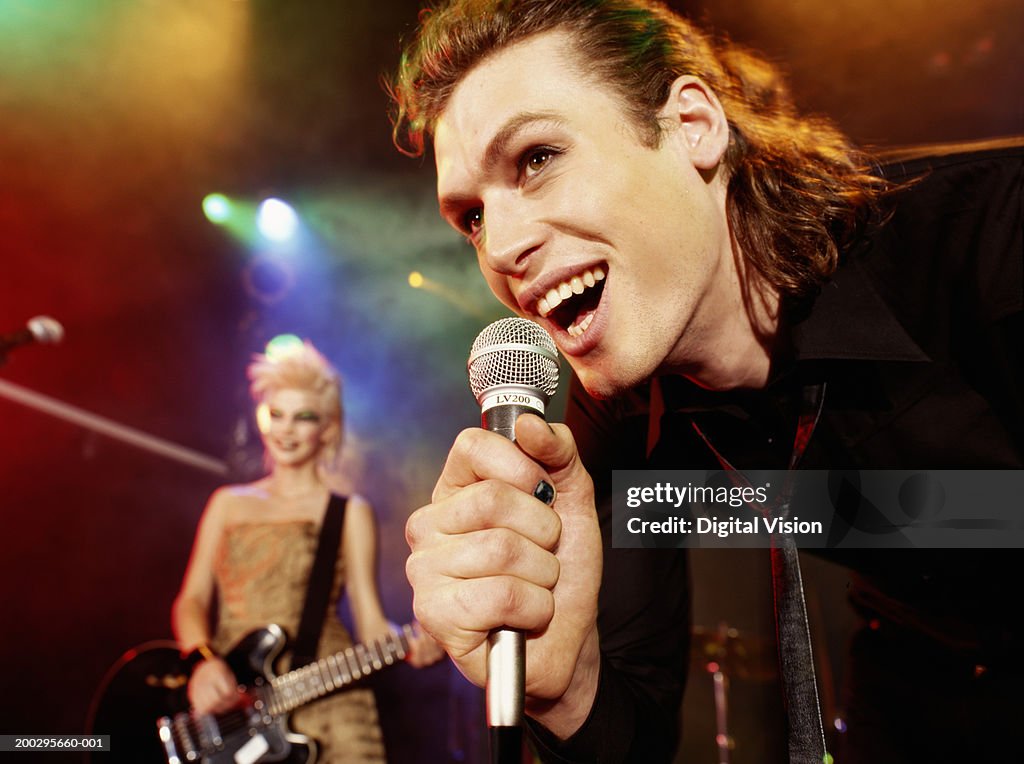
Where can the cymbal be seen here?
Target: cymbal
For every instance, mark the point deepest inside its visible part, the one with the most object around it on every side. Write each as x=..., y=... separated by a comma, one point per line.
x=737, y=655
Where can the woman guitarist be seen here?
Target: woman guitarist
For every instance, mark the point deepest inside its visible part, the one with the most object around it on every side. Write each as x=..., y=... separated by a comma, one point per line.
x=255, y=546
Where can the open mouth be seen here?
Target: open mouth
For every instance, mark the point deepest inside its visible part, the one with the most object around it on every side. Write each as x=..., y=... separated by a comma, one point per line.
x=573, y=303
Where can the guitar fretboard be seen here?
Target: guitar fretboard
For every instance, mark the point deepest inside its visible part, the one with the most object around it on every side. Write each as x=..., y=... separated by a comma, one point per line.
x=307, y=683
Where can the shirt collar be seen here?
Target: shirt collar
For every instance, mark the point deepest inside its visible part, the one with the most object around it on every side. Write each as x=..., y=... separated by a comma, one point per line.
x=849, y=320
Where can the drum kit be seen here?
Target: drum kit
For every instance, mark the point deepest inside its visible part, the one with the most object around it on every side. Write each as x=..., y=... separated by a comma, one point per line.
x=726, y=654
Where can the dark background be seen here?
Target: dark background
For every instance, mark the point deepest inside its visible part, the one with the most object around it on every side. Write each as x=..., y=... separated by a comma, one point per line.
x=118, y=116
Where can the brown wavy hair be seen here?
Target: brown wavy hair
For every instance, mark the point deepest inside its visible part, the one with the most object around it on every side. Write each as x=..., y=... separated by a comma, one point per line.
x=797, y=188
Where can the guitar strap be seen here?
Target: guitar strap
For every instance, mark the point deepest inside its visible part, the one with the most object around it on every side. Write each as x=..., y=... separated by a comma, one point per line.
x=321, y=577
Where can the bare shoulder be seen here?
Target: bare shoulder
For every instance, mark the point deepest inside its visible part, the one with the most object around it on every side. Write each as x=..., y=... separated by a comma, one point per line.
x=357, y=503
x=230, y=502
x=359, y=517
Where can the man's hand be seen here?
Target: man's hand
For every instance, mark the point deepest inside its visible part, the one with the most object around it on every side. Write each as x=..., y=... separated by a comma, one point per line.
x=488, y=554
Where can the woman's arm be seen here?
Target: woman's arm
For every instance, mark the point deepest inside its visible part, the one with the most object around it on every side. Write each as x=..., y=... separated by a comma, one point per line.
x=190, y=614
x=213, y=686
x=359, y=545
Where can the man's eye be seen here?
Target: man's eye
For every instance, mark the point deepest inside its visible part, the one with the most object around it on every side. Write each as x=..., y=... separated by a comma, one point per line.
x=473, y=220
x=536, y=159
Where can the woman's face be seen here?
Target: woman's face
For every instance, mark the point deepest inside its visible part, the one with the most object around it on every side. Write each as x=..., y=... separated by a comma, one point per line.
x=293, y=426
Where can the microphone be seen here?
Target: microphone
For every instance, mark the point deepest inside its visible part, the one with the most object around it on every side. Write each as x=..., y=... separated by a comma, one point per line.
x=513, y=370
x=41, y=329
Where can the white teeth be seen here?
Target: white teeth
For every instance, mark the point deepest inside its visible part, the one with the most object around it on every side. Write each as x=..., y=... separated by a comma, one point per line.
x=576, y=285
x=576, y=330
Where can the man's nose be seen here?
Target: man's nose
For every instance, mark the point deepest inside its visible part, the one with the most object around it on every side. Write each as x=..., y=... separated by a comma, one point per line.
x=511, y=234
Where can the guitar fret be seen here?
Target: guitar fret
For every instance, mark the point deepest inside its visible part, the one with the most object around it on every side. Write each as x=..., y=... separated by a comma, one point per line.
x=364, y=664
x=306, y=687
x=322, y=681
x=288, y=692
x=353, y=663
x=317, y=684
x=342, y=677
x=374, y=653
x=326, y=678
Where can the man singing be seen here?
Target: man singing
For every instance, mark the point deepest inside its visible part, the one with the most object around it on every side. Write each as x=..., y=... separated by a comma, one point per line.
x=705, y=256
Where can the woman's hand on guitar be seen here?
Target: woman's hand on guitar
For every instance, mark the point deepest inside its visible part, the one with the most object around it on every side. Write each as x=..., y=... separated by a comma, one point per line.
x=424, y=650
x=213, y=687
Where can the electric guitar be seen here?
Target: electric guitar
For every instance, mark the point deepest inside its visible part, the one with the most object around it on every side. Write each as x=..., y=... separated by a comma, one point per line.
x=151, y=680
x=258, y=730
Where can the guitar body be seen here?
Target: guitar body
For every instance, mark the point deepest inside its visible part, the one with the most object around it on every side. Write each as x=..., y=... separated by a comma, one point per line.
x=147, y=682
x=143, y=703
x=150, y=682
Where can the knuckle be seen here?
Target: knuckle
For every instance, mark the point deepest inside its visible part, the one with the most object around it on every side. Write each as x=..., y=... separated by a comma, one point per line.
x=490, y=494
x=418, y=611
x=504, y=547
x=509, y=599
x=551, y=530
x=424, y=608
x=467, y=443
x=552, y=573
x=414, y=528
x=413, y=568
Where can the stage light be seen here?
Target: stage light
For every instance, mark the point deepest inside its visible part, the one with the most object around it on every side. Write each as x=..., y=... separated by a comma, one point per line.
x=282, y=345
x=276, y=220
x=415, y=279
x=217, y=208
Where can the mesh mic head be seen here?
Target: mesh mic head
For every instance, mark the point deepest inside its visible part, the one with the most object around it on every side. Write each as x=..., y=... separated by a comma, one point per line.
x=46, y=330
x=513, y=351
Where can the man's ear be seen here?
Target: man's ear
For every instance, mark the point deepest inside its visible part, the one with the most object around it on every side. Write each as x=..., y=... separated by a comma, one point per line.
x=704, y=129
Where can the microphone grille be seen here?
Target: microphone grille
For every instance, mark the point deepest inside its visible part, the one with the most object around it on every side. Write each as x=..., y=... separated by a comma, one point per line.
x=513, y=351
x=46, y=330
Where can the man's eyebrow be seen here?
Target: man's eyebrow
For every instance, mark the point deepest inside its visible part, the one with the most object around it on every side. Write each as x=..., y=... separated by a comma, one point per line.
x=496, y=149
x=498, y=145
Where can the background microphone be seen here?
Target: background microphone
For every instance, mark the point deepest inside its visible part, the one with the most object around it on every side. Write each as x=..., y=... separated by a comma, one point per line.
x=513, y=370
x=42, y=329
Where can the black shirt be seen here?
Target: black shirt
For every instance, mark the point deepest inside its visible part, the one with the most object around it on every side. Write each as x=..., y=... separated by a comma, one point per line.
x=919, y=337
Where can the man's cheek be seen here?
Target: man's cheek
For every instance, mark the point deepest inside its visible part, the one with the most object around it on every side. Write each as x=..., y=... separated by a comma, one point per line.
x=499, y=287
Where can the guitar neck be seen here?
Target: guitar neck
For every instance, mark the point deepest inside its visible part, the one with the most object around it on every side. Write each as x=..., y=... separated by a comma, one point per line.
x=326, y=675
